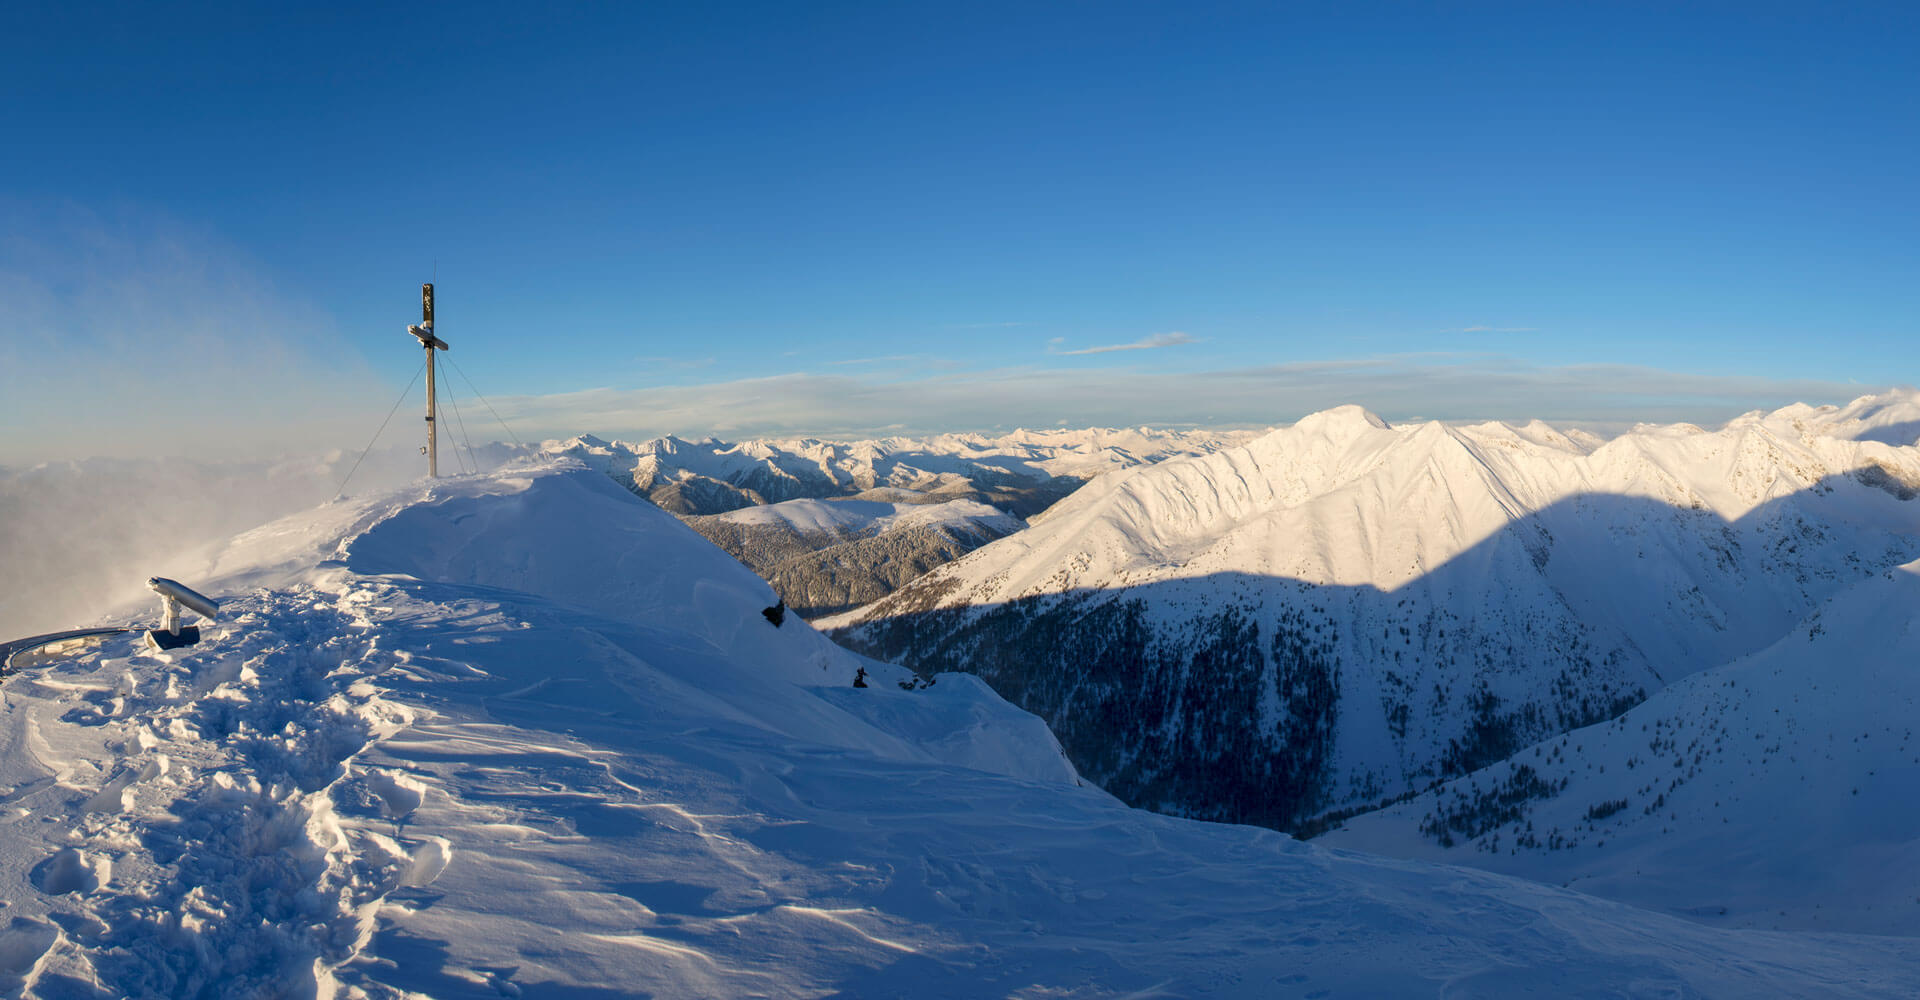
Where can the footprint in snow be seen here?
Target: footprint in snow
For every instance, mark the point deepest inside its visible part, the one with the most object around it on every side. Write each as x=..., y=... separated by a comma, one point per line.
x=71, y=870
x=112, y=797
x=399, y=795
x=24, y=944
x=427, y=862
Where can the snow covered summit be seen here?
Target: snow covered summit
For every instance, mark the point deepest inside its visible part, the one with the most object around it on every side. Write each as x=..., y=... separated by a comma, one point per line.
x=523, y=734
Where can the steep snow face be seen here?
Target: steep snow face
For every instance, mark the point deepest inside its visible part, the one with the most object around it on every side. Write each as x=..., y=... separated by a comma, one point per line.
x=1021, y=473
x=1341, y=611
x=524, y=735
x=828, y=556
x=1776, y=791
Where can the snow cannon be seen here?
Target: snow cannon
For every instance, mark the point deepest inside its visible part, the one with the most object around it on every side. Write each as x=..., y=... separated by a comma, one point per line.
x=171, y=634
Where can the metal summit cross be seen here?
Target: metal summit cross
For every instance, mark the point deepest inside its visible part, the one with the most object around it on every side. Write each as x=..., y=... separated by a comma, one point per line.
x=424, y=331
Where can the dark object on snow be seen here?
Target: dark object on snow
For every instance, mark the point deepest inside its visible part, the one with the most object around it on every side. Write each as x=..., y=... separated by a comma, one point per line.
x=916, y=683
x=163, y=639
x=860, y=679
x=776, y=614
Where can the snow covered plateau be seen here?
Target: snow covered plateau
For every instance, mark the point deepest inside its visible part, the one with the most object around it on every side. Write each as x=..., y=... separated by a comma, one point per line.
x=523, y=734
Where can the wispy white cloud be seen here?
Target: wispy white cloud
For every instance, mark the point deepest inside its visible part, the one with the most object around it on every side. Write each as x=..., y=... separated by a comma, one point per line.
x=895, y=359
x=1172, y=339
x=1599, y=397
x=682, y=363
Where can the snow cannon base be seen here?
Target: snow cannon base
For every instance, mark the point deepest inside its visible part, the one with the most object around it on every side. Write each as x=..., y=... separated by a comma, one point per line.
x=162, y=639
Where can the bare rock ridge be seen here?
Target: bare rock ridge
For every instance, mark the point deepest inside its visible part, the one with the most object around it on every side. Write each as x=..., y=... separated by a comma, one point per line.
x=1343, y=612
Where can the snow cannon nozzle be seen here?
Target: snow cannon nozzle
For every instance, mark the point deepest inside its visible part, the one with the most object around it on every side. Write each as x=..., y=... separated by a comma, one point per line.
x=173, y=594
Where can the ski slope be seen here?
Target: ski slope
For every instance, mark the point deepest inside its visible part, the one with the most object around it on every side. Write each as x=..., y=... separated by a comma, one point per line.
x=525, y=735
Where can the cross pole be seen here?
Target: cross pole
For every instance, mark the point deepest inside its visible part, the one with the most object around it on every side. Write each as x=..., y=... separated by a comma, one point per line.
x=424, y=332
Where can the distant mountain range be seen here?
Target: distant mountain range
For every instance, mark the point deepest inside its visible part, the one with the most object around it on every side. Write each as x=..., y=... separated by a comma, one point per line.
x=1342, y=613
x=832, y=525
x=1021, y=473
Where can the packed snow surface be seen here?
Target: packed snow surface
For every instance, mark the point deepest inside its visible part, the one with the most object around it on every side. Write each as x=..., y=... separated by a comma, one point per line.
x=523, y=734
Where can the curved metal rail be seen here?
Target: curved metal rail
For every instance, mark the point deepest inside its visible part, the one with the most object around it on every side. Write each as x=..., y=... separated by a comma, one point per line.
x=20, y=648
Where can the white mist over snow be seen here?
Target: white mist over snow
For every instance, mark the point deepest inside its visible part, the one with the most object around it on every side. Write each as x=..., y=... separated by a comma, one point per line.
x=523, y=734
x=79, y=539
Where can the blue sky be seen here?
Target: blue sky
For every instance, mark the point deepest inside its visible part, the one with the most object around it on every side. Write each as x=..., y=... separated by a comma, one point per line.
x=738, y=218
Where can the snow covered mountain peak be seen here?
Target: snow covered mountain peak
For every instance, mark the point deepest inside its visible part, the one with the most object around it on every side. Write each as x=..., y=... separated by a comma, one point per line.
x=1341, y=421
x=1890, y=418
